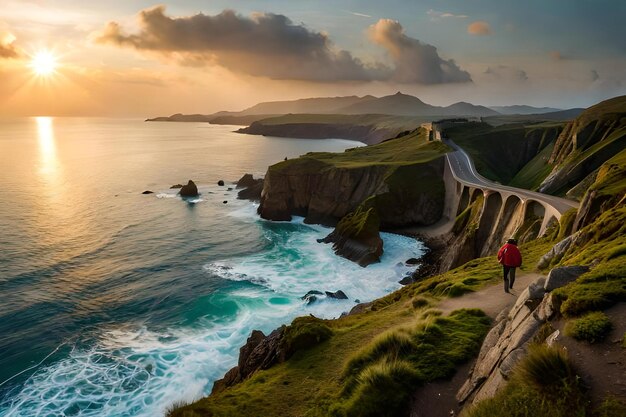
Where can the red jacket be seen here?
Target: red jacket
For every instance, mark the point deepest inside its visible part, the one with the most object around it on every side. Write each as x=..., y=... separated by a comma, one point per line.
x=509, y=255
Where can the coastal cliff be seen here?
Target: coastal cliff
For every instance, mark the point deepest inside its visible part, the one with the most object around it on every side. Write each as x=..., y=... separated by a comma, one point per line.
x=397, y=183
x=403, y=177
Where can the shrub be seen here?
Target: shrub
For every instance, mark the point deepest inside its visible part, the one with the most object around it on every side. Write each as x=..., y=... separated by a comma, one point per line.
x=419, y=302
x=391, y=344
x=547, y=369
x=592, y=327
x=304, y=333
x=381, y=390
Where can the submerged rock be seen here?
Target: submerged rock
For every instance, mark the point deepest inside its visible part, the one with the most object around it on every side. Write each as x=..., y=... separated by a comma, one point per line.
x=176, y=186
x=407, y=280
x=310, y=293
x=189, y=190
x=220, y=183
x=339, y=295
x=148, y=192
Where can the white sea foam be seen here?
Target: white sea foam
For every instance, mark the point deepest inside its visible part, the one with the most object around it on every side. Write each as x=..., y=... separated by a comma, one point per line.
x=139, y=372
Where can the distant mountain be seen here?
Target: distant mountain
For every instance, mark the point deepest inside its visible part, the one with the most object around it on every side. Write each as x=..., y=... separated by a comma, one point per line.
x=468, y=109
x=320, y=105
x=406, y=105
x=394, y=105
x=179, y=117
x=523, y=109
x=398, y=104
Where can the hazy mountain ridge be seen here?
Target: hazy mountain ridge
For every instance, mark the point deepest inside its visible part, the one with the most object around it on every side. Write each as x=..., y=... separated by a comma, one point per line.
x=523, y=109
x=398, y=104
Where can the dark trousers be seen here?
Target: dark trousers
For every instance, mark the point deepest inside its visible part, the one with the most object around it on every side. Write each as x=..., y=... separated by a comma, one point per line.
x=509, y=277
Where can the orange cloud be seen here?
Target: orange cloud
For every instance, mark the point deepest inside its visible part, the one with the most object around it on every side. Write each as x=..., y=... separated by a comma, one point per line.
x=480, y=27
x=7, y=47
x=415, y=61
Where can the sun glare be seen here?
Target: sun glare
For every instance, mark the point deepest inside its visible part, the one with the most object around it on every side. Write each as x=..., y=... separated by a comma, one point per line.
x=43, y=63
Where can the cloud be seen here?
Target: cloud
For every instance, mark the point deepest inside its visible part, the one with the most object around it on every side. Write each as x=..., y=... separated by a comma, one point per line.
x=270, y=45
x=7, y=47
x=415, y=62
x=480, y=27
x=435, y=15
x=264, y=44
x=507, y=72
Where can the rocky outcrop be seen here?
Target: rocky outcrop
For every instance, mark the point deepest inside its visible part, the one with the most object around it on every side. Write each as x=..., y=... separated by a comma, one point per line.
x=556, y=253
x=504, y=345
x=250, y=188
x=558, y=277
x=357, y=237
x=507, y=342
x=262, y=352
x=259, y=352
x=189, y=190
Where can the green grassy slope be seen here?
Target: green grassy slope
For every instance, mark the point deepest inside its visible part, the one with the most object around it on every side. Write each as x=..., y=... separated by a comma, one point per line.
x=587, y=142
x=408, y=150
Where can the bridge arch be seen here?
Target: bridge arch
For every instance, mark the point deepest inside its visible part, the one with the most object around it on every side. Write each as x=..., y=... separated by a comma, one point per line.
x=464, y=200
x=489, y=218
x=534, y=216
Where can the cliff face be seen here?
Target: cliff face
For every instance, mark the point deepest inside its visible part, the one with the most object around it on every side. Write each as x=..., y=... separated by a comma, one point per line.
x=323, y=193
x=585, y=144
x=401, y=177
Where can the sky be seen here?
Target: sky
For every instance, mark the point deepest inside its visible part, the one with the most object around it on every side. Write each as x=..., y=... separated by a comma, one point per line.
x=136, y=58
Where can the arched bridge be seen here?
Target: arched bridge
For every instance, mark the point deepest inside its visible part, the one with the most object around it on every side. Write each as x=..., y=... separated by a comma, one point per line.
x=507, y=208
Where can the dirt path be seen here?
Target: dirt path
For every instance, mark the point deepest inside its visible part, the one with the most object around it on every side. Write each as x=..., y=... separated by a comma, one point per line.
x=437, y=399
x=491, y=299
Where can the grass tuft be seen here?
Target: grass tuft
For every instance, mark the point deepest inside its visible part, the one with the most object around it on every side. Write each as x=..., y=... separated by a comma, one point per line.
x=381, y=390
x=544, y=383
x=592, y=327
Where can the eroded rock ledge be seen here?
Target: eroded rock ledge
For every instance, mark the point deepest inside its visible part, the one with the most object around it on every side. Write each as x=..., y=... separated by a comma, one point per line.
x=507, y=342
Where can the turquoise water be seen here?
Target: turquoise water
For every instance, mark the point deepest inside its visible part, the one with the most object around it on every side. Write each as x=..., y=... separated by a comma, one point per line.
x=115, y=303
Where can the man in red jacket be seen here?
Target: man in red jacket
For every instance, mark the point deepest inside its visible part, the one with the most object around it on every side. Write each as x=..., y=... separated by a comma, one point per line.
x=510, y=258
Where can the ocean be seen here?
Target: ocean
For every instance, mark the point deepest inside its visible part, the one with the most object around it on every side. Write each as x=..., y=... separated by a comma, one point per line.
x=115, y=303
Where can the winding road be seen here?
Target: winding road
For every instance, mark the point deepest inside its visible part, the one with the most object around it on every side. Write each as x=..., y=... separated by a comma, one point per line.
x=464, y=172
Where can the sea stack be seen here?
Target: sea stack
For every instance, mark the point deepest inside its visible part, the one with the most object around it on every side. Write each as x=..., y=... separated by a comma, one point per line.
x=189, y=190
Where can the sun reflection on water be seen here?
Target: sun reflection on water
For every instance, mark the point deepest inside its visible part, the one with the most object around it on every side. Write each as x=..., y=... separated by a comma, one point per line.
x=47, y=146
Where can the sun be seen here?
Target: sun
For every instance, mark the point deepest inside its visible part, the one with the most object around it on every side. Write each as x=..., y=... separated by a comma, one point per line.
x=43, y=63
